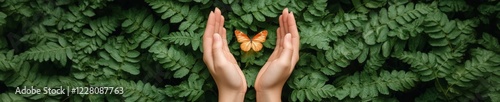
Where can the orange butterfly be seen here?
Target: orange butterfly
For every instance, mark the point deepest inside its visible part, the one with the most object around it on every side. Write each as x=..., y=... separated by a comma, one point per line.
x=255, y=43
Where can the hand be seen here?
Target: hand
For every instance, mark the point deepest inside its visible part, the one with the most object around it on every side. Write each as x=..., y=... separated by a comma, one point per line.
x=221, y=63
x=281, y=63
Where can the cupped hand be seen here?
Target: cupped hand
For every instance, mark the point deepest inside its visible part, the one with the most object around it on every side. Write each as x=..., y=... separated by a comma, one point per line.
x=221, y=63
x=279, y=66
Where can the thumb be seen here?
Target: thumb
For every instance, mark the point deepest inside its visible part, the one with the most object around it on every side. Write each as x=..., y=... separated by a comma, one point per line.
x=217, y=53
x=286, y=54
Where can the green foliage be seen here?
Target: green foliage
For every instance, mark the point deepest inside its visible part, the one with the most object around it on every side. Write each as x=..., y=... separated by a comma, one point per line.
x=136, y=91
x=190, y=89
x=101, y=27
x=185, y=39
x=369, y=85
x=311, y=87
x=51, y=51
x=350, y=50
x=8, y=61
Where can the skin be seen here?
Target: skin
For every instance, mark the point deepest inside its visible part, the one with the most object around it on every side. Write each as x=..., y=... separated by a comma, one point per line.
x=227, y=74
x=279, y=66
x=222, y=65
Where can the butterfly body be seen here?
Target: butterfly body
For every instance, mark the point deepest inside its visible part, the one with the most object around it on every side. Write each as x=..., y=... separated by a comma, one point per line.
x=248, y=44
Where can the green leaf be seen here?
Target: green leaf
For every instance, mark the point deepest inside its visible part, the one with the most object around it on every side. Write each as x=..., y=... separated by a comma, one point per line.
x=386, y=49
x=133, y=54
x=181, y=73
x=184, y=39
x=88, y=32
x=48, y=22
x=128, y=67
x=50, y=51
x=88, y=13
x=127, y=23
x=248, y=18
x=148, y=42
x=250, y=76
x=258, y=16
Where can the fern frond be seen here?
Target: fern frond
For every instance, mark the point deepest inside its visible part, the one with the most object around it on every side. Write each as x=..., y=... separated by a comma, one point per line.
x=189, y=90
x=250, y=75
x=101, y=27
x=50, y=51
x=319, y=62
x=170, y=9
x=368, y=85
x=134, y=91
x=9, y=61
x=86, y=45
x=311, y=87
x=344, y=51
x=428, y=65
x=454, y=6
x=184, y=39
x=19, y=9
x=315, y=10
x=28, y=75
x=189, y=17
x=144, y=28
x=259, y=10
x=72, y=19
x=11, y=97
x=349, y=21
x=490, y=42
x=173, y=59
x=444, y=32
x=394, y=21
x=374, y=62
x=483, y=63
x=119, y=56
x=316, y=36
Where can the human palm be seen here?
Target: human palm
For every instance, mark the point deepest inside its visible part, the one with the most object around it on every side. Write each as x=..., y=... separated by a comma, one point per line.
x=220, y=62
x=281, y=63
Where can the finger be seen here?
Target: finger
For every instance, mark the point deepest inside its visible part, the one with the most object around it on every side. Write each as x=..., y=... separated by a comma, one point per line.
x=217, y=20
x=282, y=24
x=225, y=47
x=282, y=28
x=281, y=34
x=217, y=51
x=222, y=31
x=295, y=37
x=295, y=40
x=285, y=20
x=286, y=55
x=207, y=41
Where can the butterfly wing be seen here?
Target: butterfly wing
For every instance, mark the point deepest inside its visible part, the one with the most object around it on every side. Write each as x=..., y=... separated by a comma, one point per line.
x=244, y=40
x=258, y=39
x=241, y=37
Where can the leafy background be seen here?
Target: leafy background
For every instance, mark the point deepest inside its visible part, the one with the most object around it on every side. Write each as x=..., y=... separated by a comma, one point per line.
x=351, y=50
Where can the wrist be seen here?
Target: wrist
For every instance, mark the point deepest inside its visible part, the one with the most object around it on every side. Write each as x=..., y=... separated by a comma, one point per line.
x=231, y=95
x=268, y=95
